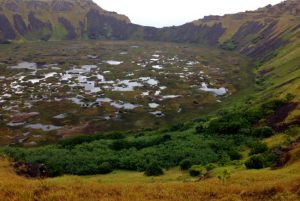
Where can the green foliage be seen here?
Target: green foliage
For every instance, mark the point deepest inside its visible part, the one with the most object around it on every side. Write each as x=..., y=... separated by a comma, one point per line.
x=210, y=166
x=289, y=97
x=185, y=164
x=234, y=154
x=194, y=173
x=139, y=144
x=220, y=143
x=71, y=142
x=154, y=169
x=229, y=45
x=264, y=132
x=259, y=80
x=270, y=106
x=197, y=171
x=200, y=128
x=255, y=162
x=179, y=127
x=228, y=124
x=224, y=176
x=258, y=147
x=105, y=168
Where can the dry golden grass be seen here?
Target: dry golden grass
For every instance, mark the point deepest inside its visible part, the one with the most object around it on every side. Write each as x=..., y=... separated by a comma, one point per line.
x=283, y=184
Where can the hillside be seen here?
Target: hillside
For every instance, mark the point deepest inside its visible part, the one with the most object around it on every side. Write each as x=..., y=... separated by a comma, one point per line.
x=209, y=110
x=255, y=33
x=251, y=185
x=55, y=20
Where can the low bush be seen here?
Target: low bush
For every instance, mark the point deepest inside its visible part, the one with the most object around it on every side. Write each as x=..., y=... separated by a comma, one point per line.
x=105, y=168
x=210, y=166
x=185, y=164
x=258, y=147
x=197, y=171
x=154, y=169
x=264, y=132
x=255, y=162
x=234, y=154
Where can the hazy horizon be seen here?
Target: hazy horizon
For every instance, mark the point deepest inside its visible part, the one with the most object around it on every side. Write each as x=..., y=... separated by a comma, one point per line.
x=167, y=13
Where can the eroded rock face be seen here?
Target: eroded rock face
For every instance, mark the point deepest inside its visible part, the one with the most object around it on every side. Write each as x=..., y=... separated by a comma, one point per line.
x=69, y=27
x=37, y=5
x=189, y=33
x=61, y=6
x=247, y=29
x=6, y=30
x=12, y=6
x=20, y=25
x=36, y=24
x=42, y=29
x=31, y=170
x=102, y=26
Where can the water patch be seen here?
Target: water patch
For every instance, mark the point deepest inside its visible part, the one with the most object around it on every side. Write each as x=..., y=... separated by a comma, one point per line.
x=157, y=113
x=149, y=81
x=60, y=116
x=170, y=97
x=104, y=100
x=159, y=67
x=147, y=93
x=218, y=92
x=25, y=65
x=126, y=85
x=42, y=127
x=191, y=63
x=114, y=63
x=92, y=56
x=153, y=105
x=126, y=106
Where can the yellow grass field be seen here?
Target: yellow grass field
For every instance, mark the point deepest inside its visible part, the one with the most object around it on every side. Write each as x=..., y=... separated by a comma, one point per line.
x=252, y=185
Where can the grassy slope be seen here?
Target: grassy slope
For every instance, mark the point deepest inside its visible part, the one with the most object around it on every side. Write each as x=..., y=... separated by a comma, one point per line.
x=282, y=184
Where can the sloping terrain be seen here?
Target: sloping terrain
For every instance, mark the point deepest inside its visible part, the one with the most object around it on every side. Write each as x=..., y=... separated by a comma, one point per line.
x=55, y=20
x=251, y=185
x=247, y=150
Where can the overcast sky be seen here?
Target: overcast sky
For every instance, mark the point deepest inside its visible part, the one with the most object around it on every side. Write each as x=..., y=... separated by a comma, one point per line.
x=161, y=13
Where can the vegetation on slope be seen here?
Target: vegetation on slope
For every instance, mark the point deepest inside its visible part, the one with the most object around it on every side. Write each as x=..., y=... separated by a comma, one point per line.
x=252, y=185
x=214, y=140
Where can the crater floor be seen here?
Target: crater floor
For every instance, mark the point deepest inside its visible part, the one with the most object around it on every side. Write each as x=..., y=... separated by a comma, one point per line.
x=59, y=89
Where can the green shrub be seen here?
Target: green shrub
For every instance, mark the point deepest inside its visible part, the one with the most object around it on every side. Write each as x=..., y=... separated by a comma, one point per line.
x=210, y=166
x=179, y=127
x=229, y=124
x=224, y=176
x=234, y=154
x=253, y=115
x=185, y=164
x=289, y=97
x=154, y=169
x=200, y=128
x=229, y=45
x=270, y=106
x=264, y=132
x=258, y=148
x=196, y=171
x=105, y=168
x=255, y=162
x=120, y=144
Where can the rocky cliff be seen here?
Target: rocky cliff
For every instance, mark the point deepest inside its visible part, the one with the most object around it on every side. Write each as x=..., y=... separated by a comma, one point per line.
x=256, y=33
